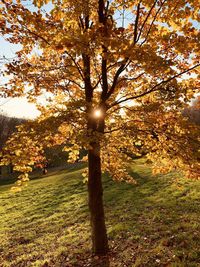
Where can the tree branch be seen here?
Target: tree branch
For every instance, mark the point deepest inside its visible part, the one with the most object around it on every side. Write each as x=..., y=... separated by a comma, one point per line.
x=119, y=71
x=152, y=23
x=76, y=64
x=154, y=88
x=149, y=13
x=131, y=79
x=87, y=78
x=101, y=11
x=136, y=23
x=104, y=75
x=38, y=36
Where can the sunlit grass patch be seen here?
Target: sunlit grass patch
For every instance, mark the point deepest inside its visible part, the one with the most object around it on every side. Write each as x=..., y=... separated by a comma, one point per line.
x=153, y=223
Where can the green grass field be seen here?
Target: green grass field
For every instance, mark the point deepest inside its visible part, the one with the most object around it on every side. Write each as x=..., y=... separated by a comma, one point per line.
x=153, y=223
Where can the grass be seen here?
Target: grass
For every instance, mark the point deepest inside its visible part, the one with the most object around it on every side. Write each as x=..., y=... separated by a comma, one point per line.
x=153, y=223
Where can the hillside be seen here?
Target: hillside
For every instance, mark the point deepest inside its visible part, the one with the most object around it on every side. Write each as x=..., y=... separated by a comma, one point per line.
x=153, y=223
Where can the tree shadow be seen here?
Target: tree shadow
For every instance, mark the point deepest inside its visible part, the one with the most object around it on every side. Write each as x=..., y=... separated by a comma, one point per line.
x=152, y=220
x=102, y=261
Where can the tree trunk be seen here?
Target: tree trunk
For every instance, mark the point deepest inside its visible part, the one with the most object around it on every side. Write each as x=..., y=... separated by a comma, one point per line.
x=95, y=192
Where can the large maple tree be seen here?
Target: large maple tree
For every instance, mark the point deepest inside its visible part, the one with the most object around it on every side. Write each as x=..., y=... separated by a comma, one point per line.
x=117, y=74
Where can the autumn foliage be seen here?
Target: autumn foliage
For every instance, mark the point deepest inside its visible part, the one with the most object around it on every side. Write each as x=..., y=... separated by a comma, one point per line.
x=135, y=62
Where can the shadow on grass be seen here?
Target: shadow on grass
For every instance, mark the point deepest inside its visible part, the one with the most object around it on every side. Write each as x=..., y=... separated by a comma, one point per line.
x=156, y=222
x=37, y=174
x=153, y=223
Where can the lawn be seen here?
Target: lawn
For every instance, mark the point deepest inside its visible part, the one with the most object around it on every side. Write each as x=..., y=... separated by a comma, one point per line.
x=153, y=223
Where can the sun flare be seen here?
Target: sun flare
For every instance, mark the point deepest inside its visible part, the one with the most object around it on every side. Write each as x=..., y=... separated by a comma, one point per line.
x=97, y=113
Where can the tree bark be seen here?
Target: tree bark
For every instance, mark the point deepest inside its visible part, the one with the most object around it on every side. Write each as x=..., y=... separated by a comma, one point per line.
x=95, y=192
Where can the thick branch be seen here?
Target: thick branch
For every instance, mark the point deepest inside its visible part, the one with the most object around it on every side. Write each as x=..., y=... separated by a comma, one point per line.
x=117, y=74
x=136, y=23
x=87, y=78
x=101, y=11
x=124, y=62
x=104, y=76
x=103, y=19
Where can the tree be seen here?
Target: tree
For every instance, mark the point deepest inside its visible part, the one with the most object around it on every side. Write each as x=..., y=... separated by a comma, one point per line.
x=193, y=111
x=114, y=71
x=7, y=127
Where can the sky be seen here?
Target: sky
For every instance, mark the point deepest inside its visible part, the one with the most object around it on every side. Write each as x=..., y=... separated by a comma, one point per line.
x=17, y=107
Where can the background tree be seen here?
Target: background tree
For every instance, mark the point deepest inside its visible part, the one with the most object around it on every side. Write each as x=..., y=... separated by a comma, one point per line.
x=7, y=127
x=193, y=111
x=114, y=70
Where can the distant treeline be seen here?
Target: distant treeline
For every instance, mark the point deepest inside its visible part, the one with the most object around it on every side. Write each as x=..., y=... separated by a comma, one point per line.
x=7, y=127
x=193, y=111
x=8, y=124
x=55, y=155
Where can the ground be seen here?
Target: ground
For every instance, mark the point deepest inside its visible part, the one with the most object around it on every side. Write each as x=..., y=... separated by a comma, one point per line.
x=153, y=223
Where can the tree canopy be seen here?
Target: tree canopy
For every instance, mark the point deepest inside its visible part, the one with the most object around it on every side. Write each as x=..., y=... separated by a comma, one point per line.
x=125, y=58
x=118, y=74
